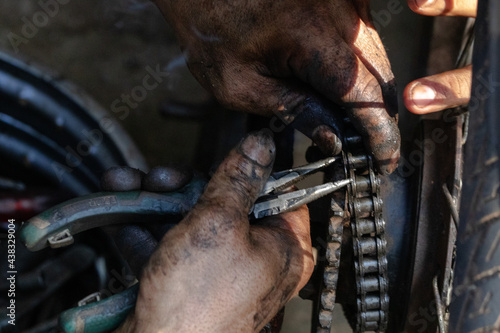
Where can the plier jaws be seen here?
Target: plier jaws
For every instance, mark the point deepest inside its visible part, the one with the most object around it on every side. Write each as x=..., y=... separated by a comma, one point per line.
x=285, y=202
x=281, y=180
x=273, y=202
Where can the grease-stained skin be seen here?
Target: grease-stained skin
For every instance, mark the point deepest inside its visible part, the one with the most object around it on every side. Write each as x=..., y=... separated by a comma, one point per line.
x=214, y=272
x=264, y=57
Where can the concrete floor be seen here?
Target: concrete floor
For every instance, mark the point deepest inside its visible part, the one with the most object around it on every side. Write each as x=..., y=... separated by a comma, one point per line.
x=105, y=47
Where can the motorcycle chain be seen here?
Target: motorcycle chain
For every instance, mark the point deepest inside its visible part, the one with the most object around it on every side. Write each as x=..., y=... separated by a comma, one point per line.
x=364, y=215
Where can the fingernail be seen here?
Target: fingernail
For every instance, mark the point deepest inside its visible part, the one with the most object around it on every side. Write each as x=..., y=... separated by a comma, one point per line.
x=394, y=162
x=327, y=140
x=422, y=95
x=388, y=169
x=424, y=3
x=259, y=147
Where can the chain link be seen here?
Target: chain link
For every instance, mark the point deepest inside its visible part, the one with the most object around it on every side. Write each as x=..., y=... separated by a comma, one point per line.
x=369, y=244
x=361, y=208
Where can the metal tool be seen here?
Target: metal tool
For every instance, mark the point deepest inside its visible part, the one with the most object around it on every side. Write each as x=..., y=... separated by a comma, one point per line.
x=109, y=313
x=57, y=226
x=269, y=205
x=281, y=180
x=289, y=201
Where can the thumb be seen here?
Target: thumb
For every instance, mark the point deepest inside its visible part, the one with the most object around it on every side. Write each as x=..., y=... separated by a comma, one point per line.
x=242, y=175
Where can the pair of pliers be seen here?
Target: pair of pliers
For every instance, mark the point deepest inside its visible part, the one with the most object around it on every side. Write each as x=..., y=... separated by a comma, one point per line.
x=57, y=226
x=272, y=200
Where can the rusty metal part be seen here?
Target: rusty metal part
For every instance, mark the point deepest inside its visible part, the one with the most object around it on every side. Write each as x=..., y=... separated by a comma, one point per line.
x=331, y=270
x=439, y=305
x=361, y=208
x=369, y=244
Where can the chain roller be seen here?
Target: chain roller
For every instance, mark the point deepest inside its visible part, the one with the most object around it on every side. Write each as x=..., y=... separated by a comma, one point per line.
x=361, y=208
x=369, y=244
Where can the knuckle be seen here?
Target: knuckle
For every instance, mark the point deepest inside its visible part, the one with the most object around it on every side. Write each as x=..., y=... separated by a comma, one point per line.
x=223, y=97
x=241, y=183
x=366, y=90
x=235, y=93
x=460, y=84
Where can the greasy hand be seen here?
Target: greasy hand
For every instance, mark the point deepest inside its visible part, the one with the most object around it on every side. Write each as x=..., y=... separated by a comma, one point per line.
x=214, y=272
x=445, y=90
x=276, y=56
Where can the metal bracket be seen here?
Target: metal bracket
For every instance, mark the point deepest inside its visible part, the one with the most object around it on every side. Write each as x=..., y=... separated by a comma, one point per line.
x=61, y=239
x=92, y=298
x=439, y=305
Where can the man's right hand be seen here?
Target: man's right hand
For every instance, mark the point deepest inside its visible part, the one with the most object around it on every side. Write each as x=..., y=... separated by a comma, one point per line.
x=277, y=56
x=214, y=272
